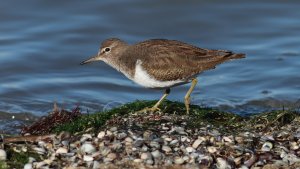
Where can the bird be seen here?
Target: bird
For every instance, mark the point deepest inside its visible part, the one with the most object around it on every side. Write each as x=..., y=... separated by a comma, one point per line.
x=161, y=63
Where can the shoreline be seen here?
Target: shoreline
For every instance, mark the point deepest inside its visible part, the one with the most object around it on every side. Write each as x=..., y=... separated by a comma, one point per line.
x=206, y=138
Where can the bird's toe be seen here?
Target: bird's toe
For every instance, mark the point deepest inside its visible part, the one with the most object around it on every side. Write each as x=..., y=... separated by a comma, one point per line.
x=150, y=109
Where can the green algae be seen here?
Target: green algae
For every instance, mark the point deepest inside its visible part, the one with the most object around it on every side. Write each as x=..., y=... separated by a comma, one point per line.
x=98, y=119
x=3, y=165
x=198, y=117
x=19, y=159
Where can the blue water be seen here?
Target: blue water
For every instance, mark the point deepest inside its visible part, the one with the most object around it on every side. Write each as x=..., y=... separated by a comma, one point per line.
x=43, y=42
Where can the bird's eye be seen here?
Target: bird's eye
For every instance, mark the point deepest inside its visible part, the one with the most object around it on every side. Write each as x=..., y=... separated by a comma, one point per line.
x=107, y=49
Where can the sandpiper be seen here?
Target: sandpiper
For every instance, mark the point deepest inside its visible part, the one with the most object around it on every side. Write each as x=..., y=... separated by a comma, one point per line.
x=161, y=63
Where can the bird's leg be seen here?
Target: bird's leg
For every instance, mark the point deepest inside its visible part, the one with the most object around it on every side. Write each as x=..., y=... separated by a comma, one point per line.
x=187, y=99
x=167, y=92
x=155, y=107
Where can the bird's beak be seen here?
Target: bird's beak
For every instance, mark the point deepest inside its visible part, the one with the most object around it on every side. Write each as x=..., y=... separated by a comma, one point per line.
x=92, y=59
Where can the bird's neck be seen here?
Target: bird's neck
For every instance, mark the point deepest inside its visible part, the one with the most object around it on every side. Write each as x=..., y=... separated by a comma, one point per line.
x=118, y=63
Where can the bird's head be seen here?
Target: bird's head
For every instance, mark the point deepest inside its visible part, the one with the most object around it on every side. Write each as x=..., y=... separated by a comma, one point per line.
x=108, y=49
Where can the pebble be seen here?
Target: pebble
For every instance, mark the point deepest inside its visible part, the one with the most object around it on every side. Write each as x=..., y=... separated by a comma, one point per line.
x=39, y=150
x=243, y=167
x=61, y=150
x=65, y=143
x=154, y=144
x=149, y=162
x=101, y=135
x=197, y=142
x=185, y=139
x=166, y=149
x=168, y=139
x=294, y=145
x=165, y=128
x=176, y=149
x=87, y=148
x=105, y=151
x=180, y=130
x=239, y=139
x=145, y=156
x=96, y=165
x=88, y=158
x=222, y=164
x=138, y=143
x=48, y=161
x=113, y=129
x=168, y=161
x=178, y=160
x=137, y=160
x=31, y=160
x=159, y=140
x=267, y=146
x=112, y=156
x=40, y=164
x=116, y=145
x=186, y=158
x=173, y=142
x=156, y=154
x=120, y=136
x=109, y=133
x=146, y=134
x=211, y=149
x=190, y=149
x=227, y=139
x=86, y=137
x=3, y=155
x=128, y=139
x=41, y=143
x=28, y=166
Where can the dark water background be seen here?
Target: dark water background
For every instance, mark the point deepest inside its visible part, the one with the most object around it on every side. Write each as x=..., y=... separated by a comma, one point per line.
x=43, y=42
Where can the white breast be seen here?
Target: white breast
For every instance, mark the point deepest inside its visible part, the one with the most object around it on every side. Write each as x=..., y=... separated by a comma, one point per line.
x=141, y=77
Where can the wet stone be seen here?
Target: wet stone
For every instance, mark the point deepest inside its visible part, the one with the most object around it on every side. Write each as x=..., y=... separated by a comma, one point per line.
x=154, y=144
x=178, y=160
x=166, y=149
x=267, y=146
x=87, y=158
x=101, y=134
x=190, y=149
x=173, y=142
x=128, y=139
x=156, y=154
x=87, y=148
x=149, y=162
x=112, y=156
x=113, y=129
x=145, y=156
x=197, y=143
x=3, y=155
x=62, y=150
x=121, y=136
x=138, y=143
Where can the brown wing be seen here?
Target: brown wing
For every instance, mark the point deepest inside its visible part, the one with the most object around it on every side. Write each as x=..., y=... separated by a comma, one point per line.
x=173, y=60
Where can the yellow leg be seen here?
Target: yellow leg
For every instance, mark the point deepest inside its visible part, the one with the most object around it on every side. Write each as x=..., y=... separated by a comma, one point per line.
x=187, y=99
x=155, y=107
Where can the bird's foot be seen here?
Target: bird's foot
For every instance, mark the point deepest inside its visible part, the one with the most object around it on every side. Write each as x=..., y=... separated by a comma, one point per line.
x=150, y=109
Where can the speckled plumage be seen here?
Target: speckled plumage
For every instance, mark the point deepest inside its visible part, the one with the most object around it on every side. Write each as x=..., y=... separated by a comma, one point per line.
x=166, y=60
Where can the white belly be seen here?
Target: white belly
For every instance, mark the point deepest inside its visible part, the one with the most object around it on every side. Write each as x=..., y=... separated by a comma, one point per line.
x=142, y=78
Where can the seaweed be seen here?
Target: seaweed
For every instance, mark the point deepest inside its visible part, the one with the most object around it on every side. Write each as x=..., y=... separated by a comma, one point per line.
x=46, y=123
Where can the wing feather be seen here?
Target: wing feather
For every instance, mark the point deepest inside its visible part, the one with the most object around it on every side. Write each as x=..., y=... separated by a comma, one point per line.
x=172, y=60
